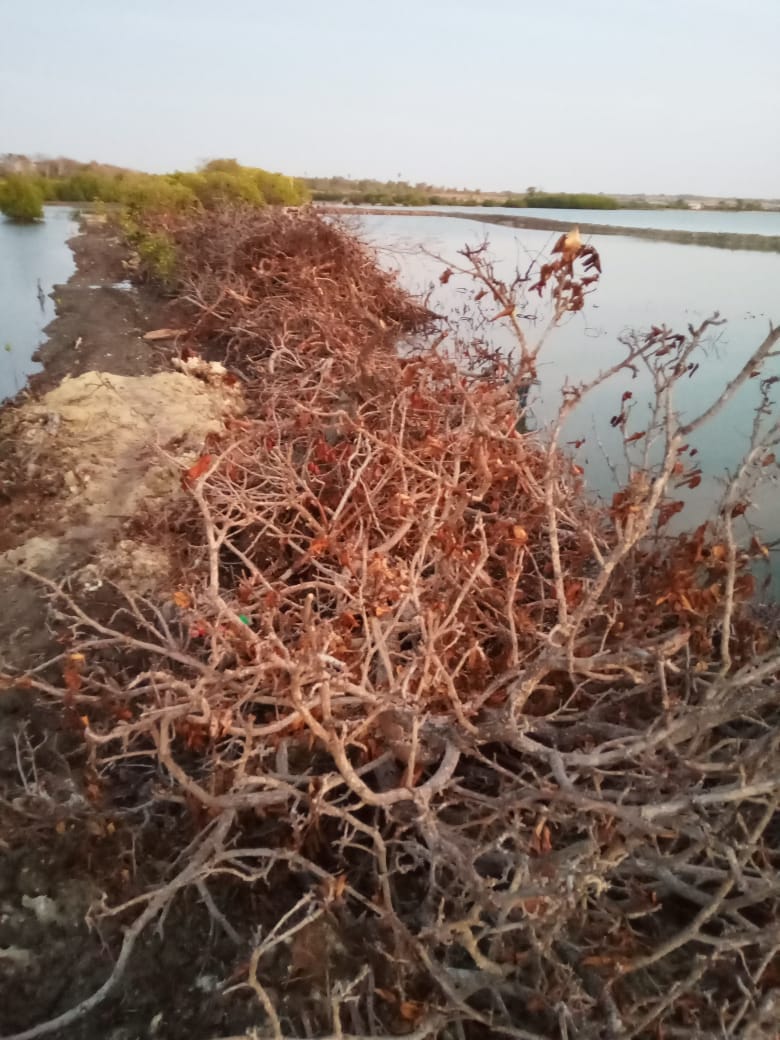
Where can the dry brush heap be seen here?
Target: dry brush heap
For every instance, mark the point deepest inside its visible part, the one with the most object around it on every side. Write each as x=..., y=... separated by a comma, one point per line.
x=508, y=755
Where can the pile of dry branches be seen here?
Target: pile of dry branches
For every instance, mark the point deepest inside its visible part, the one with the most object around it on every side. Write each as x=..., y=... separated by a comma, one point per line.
x=518, y=751
x=252, y=286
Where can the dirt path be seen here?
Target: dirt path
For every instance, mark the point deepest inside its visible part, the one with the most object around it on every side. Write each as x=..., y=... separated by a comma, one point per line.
x=95, y=438
x=100, y=318
x=89, y=452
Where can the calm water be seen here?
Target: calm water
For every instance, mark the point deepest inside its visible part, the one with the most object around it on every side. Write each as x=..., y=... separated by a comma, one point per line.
x=643, y=283
x=760, y=222
x=33, y=259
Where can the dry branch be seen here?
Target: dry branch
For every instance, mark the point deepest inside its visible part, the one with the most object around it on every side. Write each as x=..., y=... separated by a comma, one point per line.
x=532, y=735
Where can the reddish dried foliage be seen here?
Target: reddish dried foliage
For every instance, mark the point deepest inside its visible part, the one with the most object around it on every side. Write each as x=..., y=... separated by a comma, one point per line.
x=527, y=744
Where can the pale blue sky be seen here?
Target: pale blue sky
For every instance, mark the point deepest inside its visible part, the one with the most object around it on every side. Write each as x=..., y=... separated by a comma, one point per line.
x=610, y=95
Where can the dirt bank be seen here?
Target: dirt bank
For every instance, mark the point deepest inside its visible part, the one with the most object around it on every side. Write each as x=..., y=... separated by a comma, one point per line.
x=96, y=437
x=89, y=452
x=100, y=322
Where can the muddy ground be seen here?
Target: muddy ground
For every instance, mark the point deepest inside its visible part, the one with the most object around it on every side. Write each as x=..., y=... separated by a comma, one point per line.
x=88, y=453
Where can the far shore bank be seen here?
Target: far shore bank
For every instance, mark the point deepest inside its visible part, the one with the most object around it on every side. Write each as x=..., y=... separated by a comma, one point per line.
x=714, y=239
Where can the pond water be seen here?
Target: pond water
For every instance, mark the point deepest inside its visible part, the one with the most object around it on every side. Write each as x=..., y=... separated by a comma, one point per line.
x=747, y=222
x=758, y=222
x=33, y=259
x=643, y=283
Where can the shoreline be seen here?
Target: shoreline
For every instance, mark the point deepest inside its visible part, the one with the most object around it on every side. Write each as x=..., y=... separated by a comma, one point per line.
x=96, y=328
x=102, y=401
x=712, y=239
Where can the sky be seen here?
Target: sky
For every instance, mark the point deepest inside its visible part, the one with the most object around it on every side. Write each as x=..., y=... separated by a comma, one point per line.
x=628, y=96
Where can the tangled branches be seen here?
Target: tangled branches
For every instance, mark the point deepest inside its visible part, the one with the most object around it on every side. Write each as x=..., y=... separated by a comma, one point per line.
x=519, y=750
x=252, y=285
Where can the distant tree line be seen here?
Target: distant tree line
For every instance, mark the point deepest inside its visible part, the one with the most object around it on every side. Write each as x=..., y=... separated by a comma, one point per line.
x=26, y=184
x=401, y=193
x=24, y=190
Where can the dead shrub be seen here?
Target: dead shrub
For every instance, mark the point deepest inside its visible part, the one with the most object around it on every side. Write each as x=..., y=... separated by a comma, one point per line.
x=519, y=748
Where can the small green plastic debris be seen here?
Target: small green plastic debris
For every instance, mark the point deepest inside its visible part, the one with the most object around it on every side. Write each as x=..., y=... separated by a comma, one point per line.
x=244, y=618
